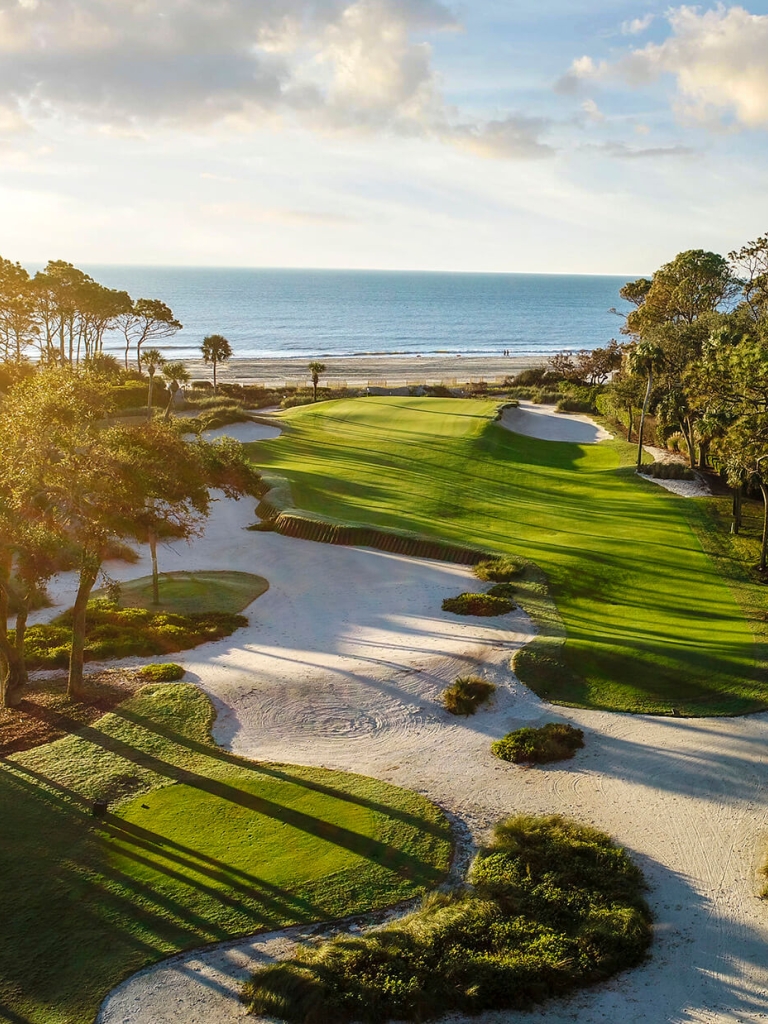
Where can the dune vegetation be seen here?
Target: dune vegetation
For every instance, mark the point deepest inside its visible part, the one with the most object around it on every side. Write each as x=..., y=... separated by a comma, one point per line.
x=553, y=905
x=202, y=846
x=651, y=622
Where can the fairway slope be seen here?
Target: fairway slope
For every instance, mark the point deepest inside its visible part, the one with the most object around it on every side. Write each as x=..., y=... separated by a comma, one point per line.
x=651, y=626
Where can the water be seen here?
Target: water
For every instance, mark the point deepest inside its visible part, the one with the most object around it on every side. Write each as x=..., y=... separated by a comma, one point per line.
x=319, y=313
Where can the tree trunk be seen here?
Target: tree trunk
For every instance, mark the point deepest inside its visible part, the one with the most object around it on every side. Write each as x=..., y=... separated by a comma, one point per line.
x=703, y=454
x=21, y=628
x=89, y=570
x=646, y=400
x=149, y=397
x=314, y=390
x=764, y=542
x=687, y=429
x=155, y=575
x=127, y=351
x=214, y=376
x=736, y=524
x=630, y=411
x=168, y=407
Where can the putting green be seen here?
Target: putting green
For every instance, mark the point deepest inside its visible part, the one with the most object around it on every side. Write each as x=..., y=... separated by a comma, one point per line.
x=209, y=847
x=209, y=590
x=651, y=625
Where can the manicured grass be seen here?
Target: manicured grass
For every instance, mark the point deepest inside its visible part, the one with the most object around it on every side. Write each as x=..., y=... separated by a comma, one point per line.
x=651, y=622
x=554, y=906
x=204, y=846
x=201, y=591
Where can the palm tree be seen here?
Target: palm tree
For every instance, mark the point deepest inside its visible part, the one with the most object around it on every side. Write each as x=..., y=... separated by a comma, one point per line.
x=175, y=374
x=216, y=349
x=153, y=360
x=316, y=369
x=646, y=359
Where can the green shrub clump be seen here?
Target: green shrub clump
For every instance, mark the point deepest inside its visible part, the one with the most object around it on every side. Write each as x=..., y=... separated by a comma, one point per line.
x=498, y=570
x=114, y=632
x=167, y=672
x=466, y=695
x=554, y=906
x=668, y=471
x=555, y=741
x=478, y=604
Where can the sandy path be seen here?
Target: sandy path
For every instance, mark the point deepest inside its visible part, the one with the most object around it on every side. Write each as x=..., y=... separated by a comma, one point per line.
x=346, y=676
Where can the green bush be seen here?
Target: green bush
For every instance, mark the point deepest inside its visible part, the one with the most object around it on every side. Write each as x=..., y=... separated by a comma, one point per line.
x=113, y=632
x=167, y=672
x=568, y=404
x=554, y=906
x=478, y=604
x=499, y=570
x=134, y=394
x=466, y=695
x=555, y=741
x=502, y=590
x=667, y=471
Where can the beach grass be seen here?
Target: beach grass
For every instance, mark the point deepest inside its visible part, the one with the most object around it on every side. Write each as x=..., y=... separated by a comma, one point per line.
x=182, y=593
x=652, y=623
x=198, y=846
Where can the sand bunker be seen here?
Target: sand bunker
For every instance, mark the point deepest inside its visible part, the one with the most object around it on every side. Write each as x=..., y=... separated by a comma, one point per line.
x=543, y=422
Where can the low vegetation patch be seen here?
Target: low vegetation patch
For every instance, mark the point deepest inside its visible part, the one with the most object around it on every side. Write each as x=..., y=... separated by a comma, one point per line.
x=499, y=570
x=114, y=632
x=554, y=906
x=478, y=604
x=667, y=471
x=466, y=695
x=555, y=741
x=198, y=846
x=165, y=672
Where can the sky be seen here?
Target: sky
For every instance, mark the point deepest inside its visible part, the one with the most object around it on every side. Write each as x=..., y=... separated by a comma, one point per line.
x=558, y=136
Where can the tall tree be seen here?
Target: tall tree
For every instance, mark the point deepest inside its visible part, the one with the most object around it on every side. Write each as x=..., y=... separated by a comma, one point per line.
x=175, y=375
x=316, y=368
x=149, y=320
x=216, y=349
x=645, y=359
x=152, y=361
x=18, y=328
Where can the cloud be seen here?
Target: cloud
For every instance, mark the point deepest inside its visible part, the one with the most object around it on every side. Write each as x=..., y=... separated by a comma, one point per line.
x=593, y=112
x=130, y=66
x=637, y=25
x=623, y=152
x=718, y=58
x=515, y=137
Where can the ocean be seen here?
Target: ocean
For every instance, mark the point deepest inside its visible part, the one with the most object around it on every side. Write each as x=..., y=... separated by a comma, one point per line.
x=320, y=313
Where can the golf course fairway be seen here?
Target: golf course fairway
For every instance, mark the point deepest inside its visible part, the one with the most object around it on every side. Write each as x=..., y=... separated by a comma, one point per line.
x=651, y=625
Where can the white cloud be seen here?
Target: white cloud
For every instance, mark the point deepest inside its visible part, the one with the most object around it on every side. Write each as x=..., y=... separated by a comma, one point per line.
x=593, y=112
x=637, y=25
x=718, y=58
x=128, y=66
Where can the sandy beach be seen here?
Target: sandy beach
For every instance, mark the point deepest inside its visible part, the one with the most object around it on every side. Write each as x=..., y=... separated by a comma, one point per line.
x=361, y=371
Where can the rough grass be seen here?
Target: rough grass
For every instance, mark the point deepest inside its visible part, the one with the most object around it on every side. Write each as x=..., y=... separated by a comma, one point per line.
x=650, y=619
x=210, y=590
x=114, y=632
x=498, y=570
x=466, y=695
x=478, y=604
x=555, y=741
x=554, y=906
x=164, y=672
x=199, y=846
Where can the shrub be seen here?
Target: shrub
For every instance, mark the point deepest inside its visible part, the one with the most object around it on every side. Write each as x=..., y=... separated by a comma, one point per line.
x=667, y=471
x=555, y=741
x=502, y=590
x=167, y=672
x=466, y=695
x=113, y=632
x=499, y=570
x=569, y=404
x=554, y=906
x=478, y=604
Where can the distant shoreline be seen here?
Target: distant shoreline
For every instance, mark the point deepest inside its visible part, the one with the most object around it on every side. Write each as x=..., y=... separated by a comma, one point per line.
x=360, y=371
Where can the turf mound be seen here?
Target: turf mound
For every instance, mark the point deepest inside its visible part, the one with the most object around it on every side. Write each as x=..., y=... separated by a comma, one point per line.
x=555, y=741
x=554, y=906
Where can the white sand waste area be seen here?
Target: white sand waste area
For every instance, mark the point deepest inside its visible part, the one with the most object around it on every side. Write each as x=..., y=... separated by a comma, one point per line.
x=543, y=422
x=341, y=666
